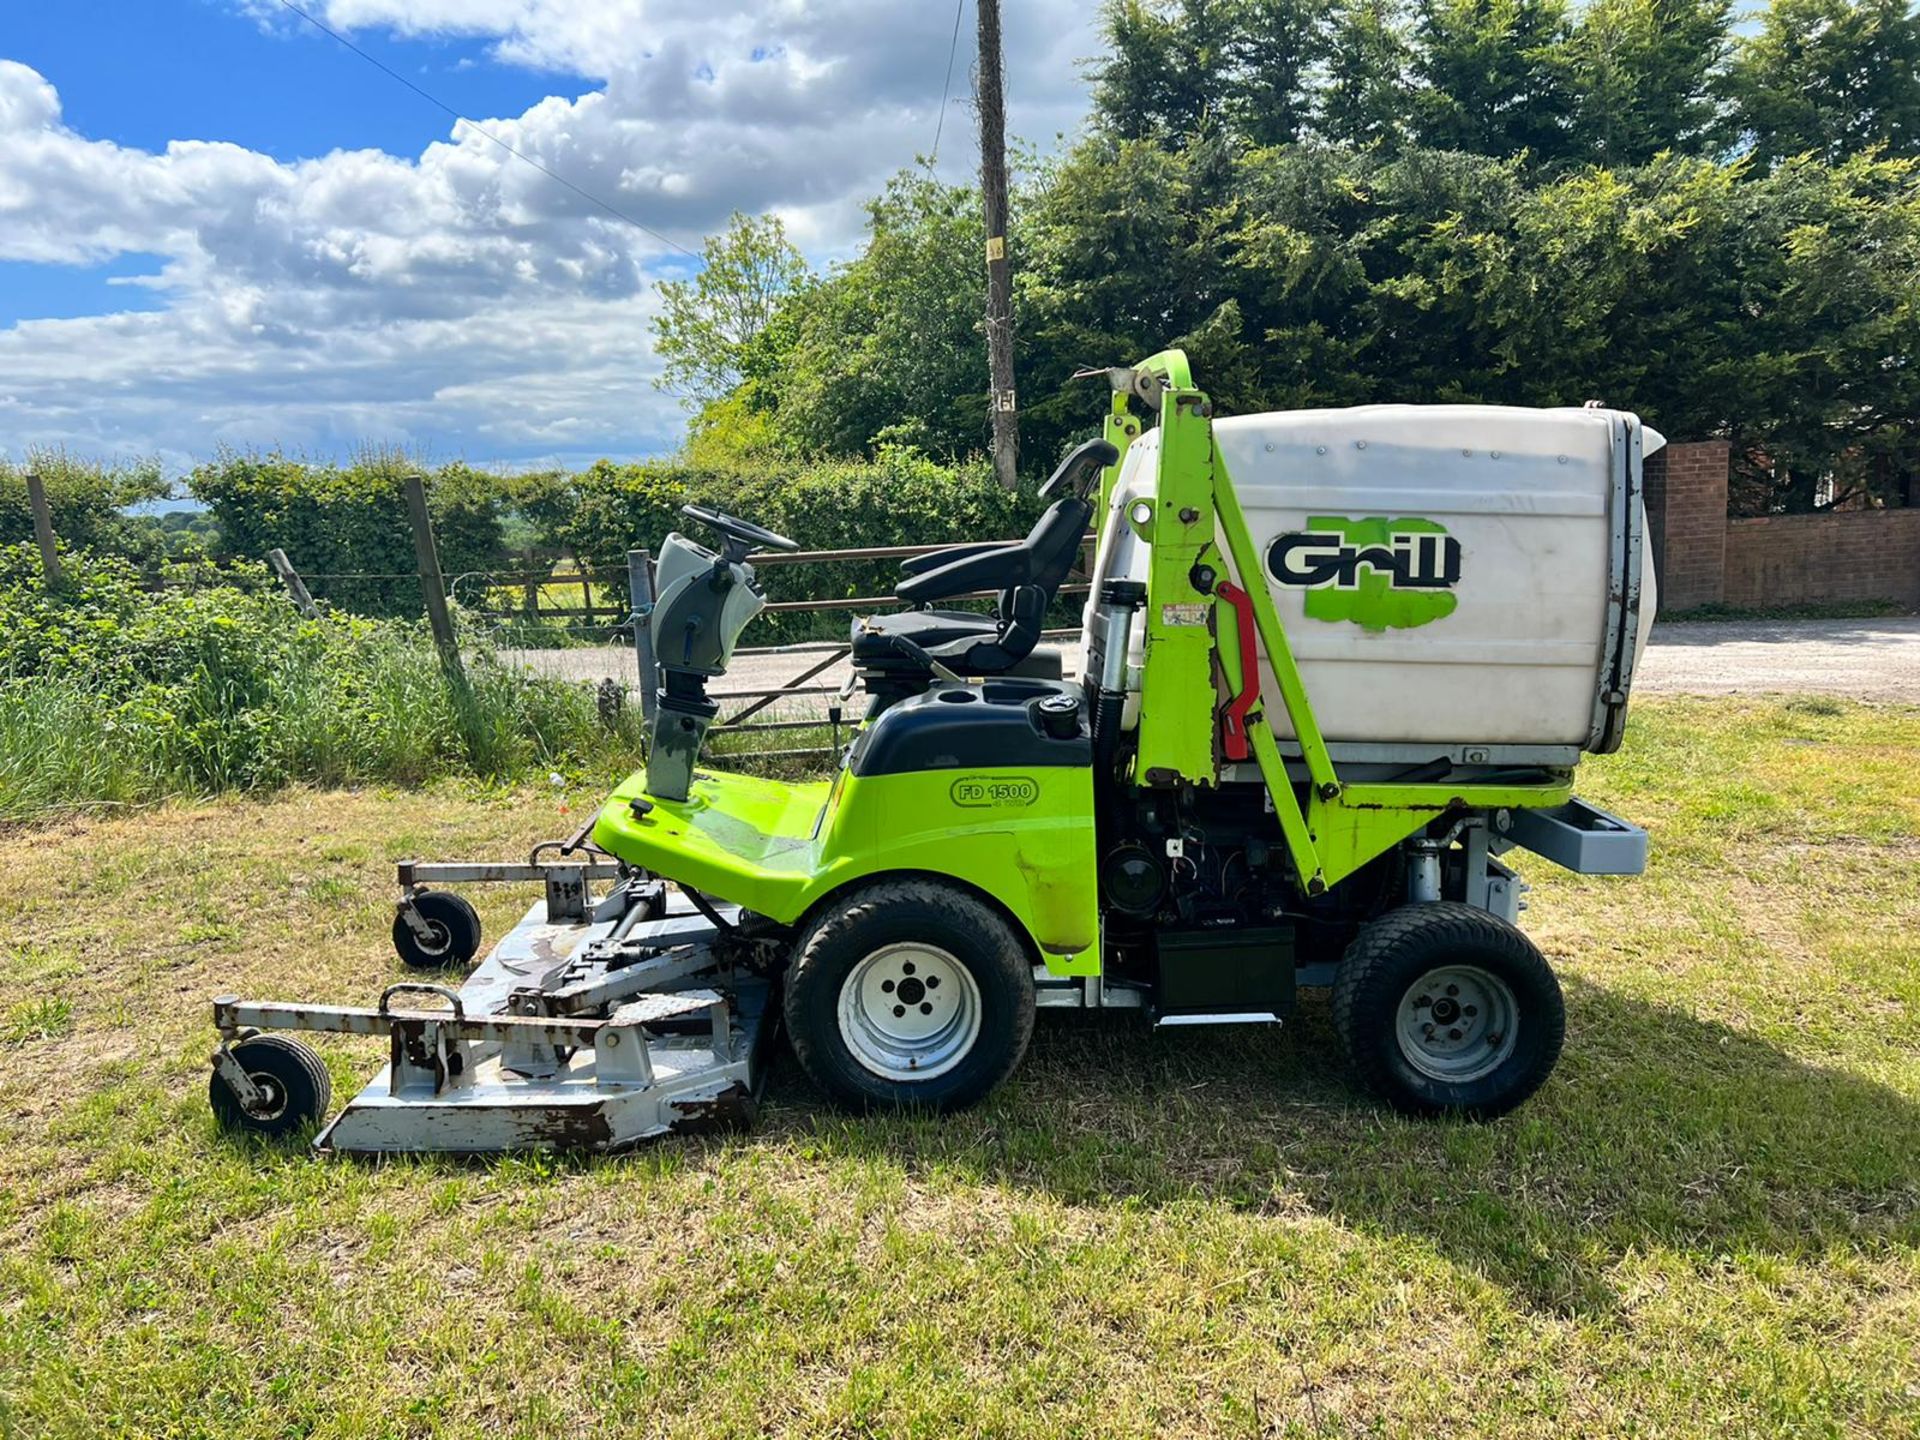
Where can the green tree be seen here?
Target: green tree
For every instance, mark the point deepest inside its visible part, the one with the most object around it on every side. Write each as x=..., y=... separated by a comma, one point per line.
x=1830, y=78
x=1363, y=98
x=1641, y=74
x=1273, y=49
x=1815, y=364
x=1167, y=66
x=1123, y=255
x=1492, y=77
x=890, y=349
x=711, y=328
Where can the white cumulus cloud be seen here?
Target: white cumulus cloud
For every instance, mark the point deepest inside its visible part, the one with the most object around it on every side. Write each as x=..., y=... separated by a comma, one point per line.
x=459, y=293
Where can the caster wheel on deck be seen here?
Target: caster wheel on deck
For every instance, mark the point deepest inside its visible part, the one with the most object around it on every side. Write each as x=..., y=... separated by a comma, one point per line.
x=454, y=932
x=295, y=1088
x=1445, y=1009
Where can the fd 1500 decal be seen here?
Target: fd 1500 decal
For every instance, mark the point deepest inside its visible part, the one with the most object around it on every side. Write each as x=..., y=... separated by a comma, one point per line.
x=1377, y=573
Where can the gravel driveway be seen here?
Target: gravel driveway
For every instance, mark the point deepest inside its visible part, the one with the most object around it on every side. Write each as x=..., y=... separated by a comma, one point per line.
x=1859, y=659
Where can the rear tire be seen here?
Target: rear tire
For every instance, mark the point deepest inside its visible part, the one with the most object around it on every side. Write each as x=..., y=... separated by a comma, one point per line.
x=297, y=1088
x=1445, y=1009
x=909, y=993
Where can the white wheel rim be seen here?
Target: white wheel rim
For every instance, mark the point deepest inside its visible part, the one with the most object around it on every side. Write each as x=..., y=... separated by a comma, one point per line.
x=1457, y=1023
x=909, y=1012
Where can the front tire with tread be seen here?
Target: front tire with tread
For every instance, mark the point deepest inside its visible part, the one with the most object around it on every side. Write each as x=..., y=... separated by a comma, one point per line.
x=889, y=913
x=1413, y=941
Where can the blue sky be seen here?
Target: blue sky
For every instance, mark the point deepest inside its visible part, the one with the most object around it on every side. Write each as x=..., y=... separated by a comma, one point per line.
x=220, y=227
x=143, y=72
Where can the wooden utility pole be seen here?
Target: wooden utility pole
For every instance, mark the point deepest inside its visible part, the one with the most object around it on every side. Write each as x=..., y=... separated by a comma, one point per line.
x=992, y=109
x=43, y=528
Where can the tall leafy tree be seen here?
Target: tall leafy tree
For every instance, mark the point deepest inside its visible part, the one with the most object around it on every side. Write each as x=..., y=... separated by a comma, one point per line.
x=889, y=349
x=1274, y=48
x=711, y=327
x=1641, y=73
x=1492, y=77
x=1363, y=98
x=1829, y=78
x=1124, y=256
x=1166, y=71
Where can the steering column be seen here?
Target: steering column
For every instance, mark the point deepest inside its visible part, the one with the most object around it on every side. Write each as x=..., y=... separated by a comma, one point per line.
x=706, y=599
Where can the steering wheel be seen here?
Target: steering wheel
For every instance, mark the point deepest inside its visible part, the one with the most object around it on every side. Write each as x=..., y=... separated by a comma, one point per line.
x=1086, y=461
x=735, y=528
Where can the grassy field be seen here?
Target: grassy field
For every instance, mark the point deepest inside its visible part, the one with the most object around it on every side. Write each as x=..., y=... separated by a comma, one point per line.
x=1707, y=1223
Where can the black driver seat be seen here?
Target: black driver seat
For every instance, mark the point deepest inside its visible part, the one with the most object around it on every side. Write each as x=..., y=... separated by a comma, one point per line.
x=1027, y=575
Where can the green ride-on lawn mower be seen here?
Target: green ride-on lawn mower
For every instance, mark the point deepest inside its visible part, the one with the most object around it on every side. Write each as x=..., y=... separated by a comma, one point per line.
x=1333, y=666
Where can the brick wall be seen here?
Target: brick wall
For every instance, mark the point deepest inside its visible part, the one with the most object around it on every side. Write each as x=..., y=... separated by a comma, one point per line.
x=1686, y=498
x=1703, y=558
x=1843, y=555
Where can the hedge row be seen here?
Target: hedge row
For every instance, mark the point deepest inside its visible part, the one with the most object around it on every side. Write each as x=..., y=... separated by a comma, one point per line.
x=86, y=499
x=335, y=521
x=346, y=527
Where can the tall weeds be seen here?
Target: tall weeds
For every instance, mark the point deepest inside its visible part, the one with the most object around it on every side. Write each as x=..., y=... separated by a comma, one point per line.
x=110, y=695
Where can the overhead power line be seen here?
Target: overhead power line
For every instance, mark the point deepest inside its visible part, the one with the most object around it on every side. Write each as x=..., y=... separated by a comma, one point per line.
x=946, y=85
x=440, y=104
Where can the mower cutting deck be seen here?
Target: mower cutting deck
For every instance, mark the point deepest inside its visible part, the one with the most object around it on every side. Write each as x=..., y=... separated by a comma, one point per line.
x=591, y=1025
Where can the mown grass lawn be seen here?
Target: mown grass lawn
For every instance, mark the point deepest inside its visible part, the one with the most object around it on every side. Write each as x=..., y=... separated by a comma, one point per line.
x=1707, y=1223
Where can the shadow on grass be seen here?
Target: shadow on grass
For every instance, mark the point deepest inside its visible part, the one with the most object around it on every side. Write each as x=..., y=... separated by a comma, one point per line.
x=1658, y=1130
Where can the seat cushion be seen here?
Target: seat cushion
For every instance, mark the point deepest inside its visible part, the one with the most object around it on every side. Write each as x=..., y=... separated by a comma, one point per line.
x=929, y=629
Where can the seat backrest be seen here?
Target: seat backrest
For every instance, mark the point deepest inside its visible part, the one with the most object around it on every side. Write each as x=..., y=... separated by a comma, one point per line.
x=1054, y=542
x=1052, y=545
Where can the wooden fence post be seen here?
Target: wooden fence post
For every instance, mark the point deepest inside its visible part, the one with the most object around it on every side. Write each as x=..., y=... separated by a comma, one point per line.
x=640, y=600
x=530, y=602
x=43, y=528
x=433, y=588
x=296, y=587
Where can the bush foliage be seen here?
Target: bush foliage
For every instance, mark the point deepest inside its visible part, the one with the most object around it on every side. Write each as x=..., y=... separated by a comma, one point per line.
x=87, y=499
x=346, y=526
x=114, y=693
x=334, y=521
x=899, y=498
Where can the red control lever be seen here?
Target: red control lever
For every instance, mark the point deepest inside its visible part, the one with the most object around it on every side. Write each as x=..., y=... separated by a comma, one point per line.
x=1233, y=719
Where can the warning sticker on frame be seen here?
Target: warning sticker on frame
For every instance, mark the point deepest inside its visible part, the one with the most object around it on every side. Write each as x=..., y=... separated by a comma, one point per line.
x=1183, y=614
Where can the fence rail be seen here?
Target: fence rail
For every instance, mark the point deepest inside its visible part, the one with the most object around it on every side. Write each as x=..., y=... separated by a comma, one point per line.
x=482, y=592
x=510, y=598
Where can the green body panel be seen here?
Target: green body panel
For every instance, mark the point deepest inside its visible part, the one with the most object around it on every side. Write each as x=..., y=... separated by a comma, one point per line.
x=1025, y=837
x=1170, y=367
x=1120, y=430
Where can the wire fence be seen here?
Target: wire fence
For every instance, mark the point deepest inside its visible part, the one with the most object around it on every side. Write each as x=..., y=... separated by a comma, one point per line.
x=574, y=622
